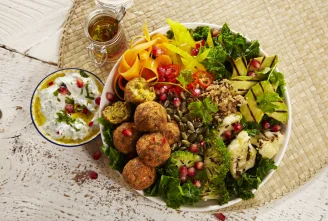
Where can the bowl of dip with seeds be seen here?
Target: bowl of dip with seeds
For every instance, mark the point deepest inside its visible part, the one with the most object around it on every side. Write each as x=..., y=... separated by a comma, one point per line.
x=64, y=107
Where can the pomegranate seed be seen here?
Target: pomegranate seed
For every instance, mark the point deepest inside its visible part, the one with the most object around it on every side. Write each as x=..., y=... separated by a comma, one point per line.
x=202, y=143
x=237, y=127
x=163, y=97
x=97, y=100
x=276, y=128
x=164, y=89
x=183, y=170
x=266, y=125
x=161, y=70
x=93, y=175
x=157, y=51
x=197, y=45
x=196, y=92
x=162, y=79
x=69, y=108
x=194, y=52
x=127, y=132
x=163, y=140
x=215, y=32
x=251, y=73
x=202, y=42
x=199, y=165
x=170, y=72
x=197, y=183
x=110, y=97
x=50, y=83
x=183, y=178
x=79, y=82
x=85, y=110
x=96, y=155
x=57, y=132
x=90, y=123
x=227, y=134
x=255, y=64
x=220, y=216
x=153, y=138
x=193, y=148
x=191, y=172
x=176, y=102
x=157, y=92
x=63, y=90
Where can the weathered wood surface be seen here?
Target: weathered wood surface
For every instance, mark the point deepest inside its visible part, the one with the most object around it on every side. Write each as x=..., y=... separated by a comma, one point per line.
x=41, y=181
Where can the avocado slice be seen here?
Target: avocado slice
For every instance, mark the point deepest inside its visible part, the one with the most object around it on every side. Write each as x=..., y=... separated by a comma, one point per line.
x=266, y=61
x=251, y=112
x=242, y=87
x=239, y=67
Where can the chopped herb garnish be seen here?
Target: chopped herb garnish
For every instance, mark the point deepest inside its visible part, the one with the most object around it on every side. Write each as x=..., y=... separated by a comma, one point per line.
x=58, y=99
x=69, y=100
x=88, y=93
x=64, y=117
x=81, y=91
x=83, y=74
x=56, y=92
x=185, y=78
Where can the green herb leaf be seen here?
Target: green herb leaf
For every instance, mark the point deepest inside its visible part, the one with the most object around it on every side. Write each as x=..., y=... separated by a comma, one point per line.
x=185, y=78
x=64, y=117
x=69, y=100
x=277, y=78
x=252, y=128
x=89, y=94
x=265, y=102
x=83, y=74
x=203, y=109
x=252, y=50
x=56, y=92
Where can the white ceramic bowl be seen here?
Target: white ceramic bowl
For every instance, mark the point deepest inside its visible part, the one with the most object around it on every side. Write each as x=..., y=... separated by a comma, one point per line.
x=35, y=95
x=210, y=205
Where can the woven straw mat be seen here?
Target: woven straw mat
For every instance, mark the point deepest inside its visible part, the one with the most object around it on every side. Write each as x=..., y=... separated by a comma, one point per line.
x=295, y=30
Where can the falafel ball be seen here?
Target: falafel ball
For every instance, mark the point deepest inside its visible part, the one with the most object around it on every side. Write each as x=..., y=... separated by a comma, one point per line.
x=137, y=91
x=138, y=175
x=118, y=112
x=153, y=149
x=125, y=138
x=171, y=132
x=150, y=116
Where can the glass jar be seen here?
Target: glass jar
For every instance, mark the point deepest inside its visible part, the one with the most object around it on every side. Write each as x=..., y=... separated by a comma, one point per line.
x=110, y=50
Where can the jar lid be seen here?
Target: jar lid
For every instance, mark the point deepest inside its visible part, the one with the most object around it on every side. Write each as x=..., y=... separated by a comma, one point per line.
x=112, y=4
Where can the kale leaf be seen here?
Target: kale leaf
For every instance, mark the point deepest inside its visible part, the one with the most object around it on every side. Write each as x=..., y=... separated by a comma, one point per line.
x=200, y=33
x=278, y=78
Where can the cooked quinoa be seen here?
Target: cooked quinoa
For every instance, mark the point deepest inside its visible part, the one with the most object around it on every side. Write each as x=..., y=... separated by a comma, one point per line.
x=225, y=96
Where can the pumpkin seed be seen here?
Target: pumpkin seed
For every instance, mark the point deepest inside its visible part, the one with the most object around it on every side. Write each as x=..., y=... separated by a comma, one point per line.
x=186, y=143
x=174, y=146
x=198, y=124
x=182, y=95
x=200, y=130
x=200, y=138
x=181, y=126
x=179, y=144
x=184, y=135
x=183, y=148
x=168, y=118
x=169, y=110
x=192, y=137
x=189, y=124
x=191, y=131
x=176, y=117
x=184, y=119
x=180, y=113
x=207, y=132
x=166, y=103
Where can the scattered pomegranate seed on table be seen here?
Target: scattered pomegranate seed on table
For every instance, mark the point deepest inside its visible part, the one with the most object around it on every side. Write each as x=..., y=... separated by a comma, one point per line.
x=97, y=100
x=220, y=216
x=93, y=175
x=127, y=132
x=96, y=155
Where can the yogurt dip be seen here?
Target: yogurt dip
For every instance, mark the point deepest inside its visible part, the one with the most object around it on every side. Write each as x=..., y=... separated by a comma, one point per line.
x=66, y=106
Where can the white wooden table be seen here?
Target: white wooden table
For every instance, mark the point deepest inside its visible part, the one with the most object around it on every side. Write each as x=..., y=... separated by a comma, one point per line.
x=40, y=181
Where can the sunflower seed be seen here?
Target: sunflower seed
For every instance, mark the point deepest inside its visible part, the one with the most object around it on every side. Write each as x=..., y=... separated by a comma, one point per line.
x=200, y=138
x=189, y=124
x=192, y=137
x=168, y=118
x=176, y=117
x=184, y=135
x=200, y=130
x=207, y=132
x=186, y=143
